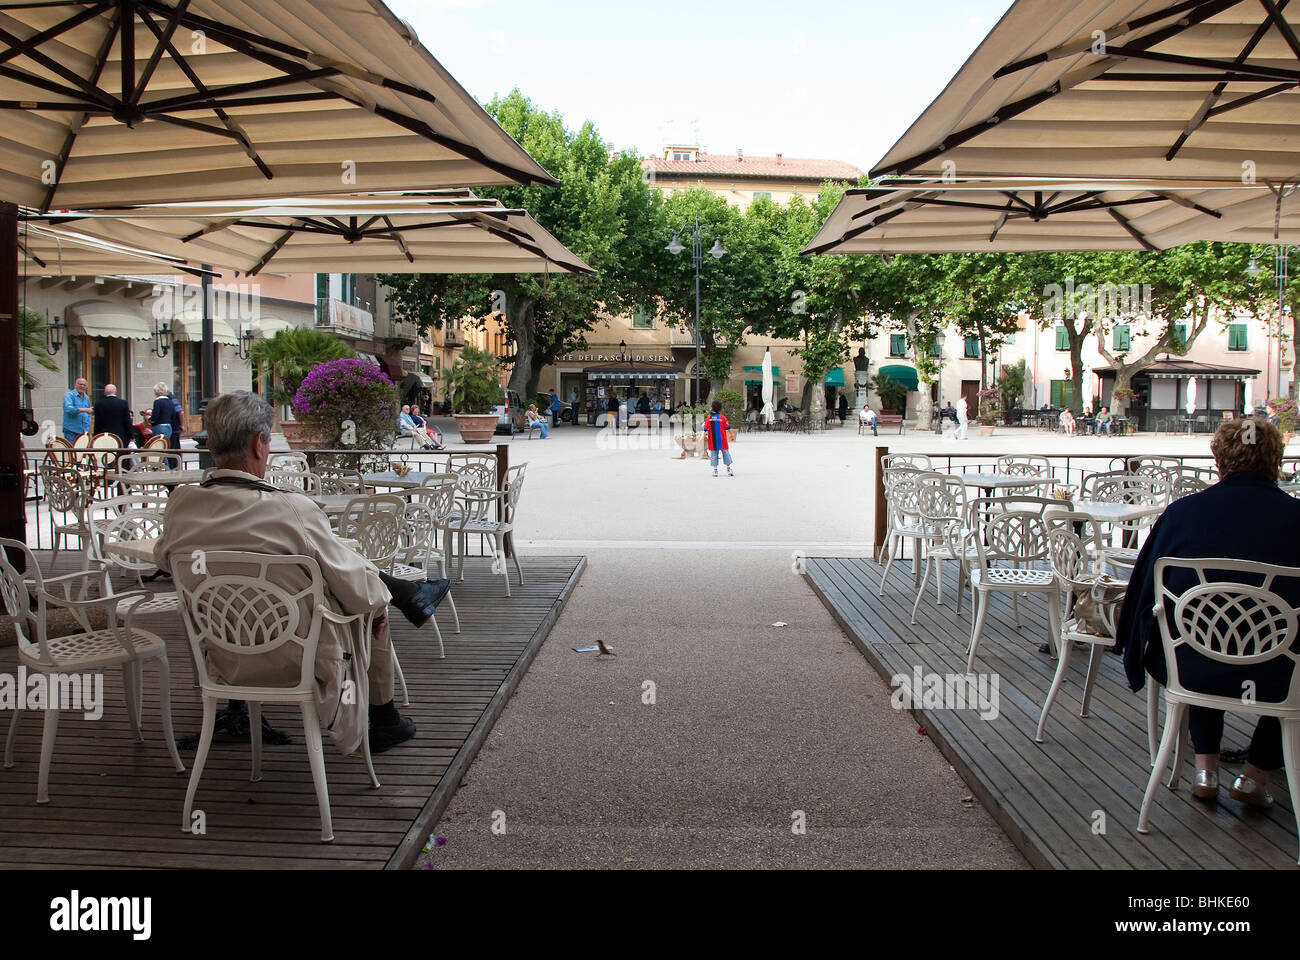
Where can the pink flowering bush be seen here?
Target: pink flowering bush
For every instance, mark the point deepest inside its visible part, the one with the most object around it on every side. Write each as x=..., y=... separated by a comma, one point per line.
x=990, y=405
x=348, y=403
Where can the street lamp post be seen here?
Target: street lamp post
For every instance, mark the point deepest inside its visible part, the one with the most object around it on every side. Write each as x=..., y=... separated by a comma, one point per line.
x=717, y=251
x=1281, y=265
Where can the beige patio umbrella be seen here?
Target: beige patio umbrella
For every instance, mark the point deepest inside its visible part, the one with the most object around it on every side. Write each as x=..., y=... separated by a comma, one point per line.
x=1195, y=90
x=151, y=101
x=454, y=232
x=46, y=252
x=913, y=215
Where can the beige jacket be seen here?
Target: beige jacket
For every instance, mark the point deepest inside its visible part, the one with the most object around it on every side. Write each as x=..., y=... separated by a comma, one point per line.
x=230, y=517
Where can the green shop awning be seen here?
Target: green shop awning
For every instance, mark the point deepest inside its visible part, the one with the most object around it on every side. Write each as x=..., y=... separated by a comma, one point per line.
x=758, y=380
x=835, y=378
x=904, y=375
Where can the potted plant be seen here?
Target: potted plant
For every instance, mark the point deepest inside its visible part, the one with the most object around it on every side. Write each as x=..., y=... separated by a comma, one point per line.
x=990, y=406
x=346, y=403
x=689, y=422
x=475, y=388
x=892, y=393
x=286, y=358
x=1288, y=416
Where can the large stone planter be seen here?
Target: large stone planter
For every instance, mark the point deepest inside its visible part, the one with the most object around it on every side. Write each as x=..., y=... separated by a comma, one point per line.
x=476, y=427
x=986, y=429
x=298, y=435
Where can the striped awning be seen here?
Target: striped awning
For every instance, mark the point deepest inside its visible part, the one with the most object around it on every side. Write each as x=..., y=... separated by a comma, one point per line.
x=189, y=326
x=103, y=318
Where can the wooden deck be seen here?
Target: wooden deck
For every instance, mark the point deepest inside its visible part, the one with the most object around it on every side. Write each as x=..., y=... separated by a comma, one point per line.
x=117, y=803
x=1050, y=797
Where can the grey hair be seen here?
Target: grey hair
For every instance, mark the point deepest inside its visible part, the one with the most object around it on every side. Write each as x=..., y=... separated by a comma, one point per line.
x=232, y=421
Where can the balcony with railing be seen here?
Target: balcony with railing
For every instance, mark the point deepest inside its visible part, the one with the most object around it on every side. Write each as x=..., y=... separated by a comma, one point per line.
x=354, y=320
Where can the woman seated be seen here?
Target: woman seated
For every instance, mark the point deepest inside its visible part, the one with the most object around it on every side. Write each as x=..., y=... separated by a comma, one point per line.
x=1067, y=422
x=535, y=419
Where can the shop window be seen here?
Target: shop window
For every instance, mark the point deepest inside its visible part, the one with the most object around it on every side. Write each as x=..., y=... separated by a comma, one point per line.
x=897, y=345
x=1122, y=339
x=1237, y=337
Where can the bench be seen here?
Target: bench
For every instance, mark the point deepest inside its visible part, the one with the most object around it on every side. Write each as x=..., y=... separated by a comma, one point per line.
x=882, y=420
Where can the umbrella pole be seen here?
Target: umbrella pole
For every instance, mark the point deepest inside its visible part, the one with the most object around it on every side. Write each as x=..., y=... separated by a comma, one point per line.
x=13, y=520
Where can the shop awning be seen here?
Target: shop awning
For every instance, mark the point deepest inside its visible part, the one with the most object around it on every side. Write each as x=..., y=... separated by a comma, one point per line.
x=189, y=326
x=758, y=380
x=904, y=375
x=835, y=378
x=370, y=358
x=424, y=378
x=103, y=318
x=269, y=326
x=631, y=371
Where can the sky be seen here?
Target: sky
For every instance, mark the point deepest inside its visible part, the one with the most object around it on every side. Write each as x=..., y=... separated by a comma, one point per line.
x=831, y=79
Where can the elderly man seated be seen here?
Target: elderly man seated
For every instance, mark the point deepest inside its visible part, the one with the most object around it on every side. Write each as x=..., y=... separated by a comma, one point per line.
x=1245, y=516
x=233, y=509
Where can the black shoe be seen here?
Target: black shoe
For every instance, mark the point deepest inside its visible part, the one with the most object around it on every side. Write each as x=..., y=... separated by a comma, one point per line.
x=388, y=736
x=417, y=601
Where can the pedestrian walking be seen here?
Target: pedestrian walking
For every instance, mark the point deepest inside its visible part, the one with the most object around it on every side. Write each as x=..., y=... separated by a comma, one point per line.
x=160, y=417
x=962, y=419
x=715, y=434
x=555, y=409
x=113, y=415
x=844, y=408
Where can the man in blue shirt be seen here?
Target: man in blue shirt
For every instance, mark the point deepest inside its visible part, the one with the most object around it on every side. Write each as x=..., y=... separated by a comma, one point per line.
x=76, y=411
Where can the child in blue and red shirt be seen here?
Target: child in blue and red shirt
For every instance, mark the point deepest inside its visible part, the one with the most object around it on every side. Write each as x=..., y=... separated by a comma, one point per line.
x=715, y=433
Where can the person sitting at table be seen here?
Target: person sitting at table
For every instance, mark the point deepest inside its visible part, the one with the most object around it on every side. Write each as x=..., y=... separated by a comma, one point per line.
x=1067, y=422
x=535, y=419
x=1103, y=422
x=1245, y=516
x=234, y=509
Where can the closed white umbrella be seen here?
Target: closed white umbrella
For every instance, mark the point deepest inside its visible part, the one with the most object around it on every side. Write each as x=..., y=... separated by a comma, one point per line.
x=1191, y=396
x=769, y=412
x=1249, y=401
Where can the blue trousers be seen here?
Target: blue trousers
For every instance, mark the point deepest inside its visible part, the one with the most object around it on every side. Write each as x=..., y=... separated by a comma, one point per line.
x=713, y=458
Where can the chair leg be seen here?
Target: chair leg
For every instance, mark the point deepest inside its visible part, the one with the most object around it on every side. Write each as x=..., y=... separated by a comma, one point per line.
x=925, y=578
x=255, y=739
x=938, y=583
x=452, y=602
x=47, y=752
x=200, y=758
x=1094, y=667
x=132, y=694
x=498, y=539
x=1062, y=665
x=890, y=547
x=1174, y=713
x=12, y=737
x=1015, y=606
x=510, y=543
x=1153, y=716
x=370, y=763
x=316, y=756
x=1291, y=758
x=401, y=677
x=165, y=707
x=1180, y=750
x=981, y=604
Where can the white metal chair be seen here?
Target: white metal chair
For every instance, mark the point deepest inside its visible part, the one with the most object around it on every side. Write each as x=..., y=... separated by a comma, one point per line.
x=481, y=517
x=917, y=461
x=1184, y=481
x=295, y=461
x=67, y=492
x=1013, y=531
x=1078, y=571
x=941, y=506
x=1238, y=622
x=298, y=481
x=1151, y=488
x=236, y=603
x=335, y=482
x=903, y=518
x=1028, y=466
x=417, y=556
x=85, y=652
x=376, y=524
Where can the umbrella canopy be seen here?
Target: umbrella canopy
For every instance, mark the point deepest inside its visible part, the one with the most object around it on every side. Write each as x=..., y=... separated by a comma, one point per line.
x=933, y=216
x=140, y=101
x=454, y=232
x=43, y=251
x=1119, y=88
x=1191, y=396
x=769, y=412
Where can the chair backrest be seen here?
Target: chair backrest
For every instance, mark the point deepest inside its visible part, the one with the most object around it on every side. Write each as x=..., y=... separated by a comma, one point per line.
x=106, y=441
x=917, y=461
x=439, y=492
x=1075, y=565
x=123, y=520
x=248, y=605
x=289, y=462
x=1010, y=529
x=294, y=479
x=65, y=487
x=157, y=442
x=1184, y=481
x=81, y=441
x=334, y=482
x=902, y=487
x=514, y=489
x=15, y=600
x=941, y=505
x=474, y=470
x=60, y=451
x=419, y=534
x=375, y=523
x=1024, y=466
x=1239, y=620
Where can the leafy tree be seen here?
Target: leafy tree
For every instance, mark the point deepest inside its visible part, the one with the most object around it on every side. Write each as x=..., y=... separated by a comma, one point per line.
x=603, y=211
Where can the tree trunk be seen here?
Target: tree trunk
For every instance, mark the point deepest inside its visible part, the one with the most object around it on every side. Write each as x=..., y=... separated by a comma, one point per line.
x=1123, y=380
x=523, y=377
x=817, y=401
x=1295, y=354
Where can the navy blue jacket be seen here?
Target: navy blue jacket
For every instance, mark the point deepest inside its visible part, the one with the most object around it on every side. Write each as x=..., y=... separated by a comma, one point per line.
x=1245, y=516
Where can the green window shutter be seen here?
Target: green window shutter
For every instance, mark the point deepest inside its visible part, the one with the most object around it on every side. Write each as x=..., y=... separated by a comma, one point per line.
x=973, y=348
x=1237, y=337
x=1181, y=331
x=1123, y=339
x=1062, y=392
x=1062, y=338
x=897, y=345
x=322, y=286
x=935, y=351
